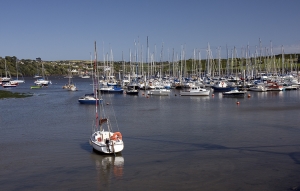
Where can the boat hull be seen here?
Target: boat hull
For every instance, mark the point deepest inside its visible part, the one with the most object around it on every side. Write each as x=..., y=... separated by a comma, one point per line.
x=112, y=91
x=162, y=92
x=159, y=93
x=258, y=88
x=42, y=82
x=102, y=142
x=84, y=101
x=222, y=89
x=9, y=86
x=103, y=148
x=129, y=92
x=196, y=93
x=18, y=81
x=89, y=99
x=234, y=93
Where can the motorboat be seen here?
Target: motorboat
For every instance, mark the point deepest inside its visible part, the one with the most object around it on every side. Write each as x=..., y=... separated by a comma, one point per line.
x=234, y=93
x=160, y=91
x=195, y=91
x=258, y=88
x=111, y=89
x=42, y=81
x=9, y=85
x=132, y=89
x=274, y=86
x=89, y=99
x=222, y=86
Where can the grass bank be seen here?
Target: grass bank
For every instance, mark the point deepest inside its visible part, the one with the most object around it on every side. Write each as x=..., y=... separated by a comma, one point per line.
x=8, y=94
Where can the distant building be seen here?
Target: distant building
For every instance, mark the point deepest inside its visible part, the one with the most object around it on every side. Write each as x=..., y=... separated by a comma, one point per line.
x=38, y=59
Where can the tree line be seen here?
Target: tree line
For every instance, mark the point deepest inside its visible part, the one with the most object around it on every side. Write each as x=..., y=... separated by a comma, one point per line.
x=28, y=67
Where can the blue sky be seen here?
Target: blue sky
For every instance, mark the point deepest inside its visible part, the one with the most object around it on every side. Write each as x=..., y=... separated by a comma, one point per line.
x=67, y=29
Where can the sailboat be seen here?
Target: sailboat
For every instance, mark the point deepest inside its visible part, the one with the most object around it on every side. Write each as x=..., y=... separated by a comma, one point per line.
x=103, y=139
x=6, y=78
x=132, y=88
x=18, y=81
x=86, y=75
x=41, y=81
x=91, y=98
x=70, y=85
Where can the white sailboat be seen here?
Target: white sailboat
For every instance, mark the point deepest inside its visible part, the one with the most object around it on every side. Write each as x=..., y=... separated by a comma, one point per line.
x=103, y=139
x=86, y=75
x=70, y=85
x=91, y=98
x=18, y=81
x=41, y=81
x=6, y=78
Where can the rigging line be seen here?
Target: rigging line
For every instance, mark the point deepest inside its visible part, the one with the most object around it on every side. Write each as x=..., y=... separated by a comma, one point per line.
x=113, y=112
x=115, y=118
x=104, y=114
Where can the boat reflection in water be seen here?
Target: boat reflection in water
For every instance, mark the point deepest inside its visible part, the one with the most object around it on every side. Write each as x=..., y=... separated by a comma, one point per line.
x=108, y=167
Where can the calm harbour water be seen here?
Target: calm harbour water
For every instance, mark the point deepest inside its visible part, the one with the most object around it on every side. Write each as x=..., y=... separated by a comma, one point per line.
x=171, y=142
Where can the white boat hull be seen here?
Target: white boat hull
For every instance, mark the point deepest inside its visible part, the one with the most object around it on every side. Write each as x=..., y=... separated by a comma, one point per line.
x=160, y=93
x=99, y=142
x=42, y=82
x=111, y=149
x=258, y=89
x=18, y=81
x=191, y=93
